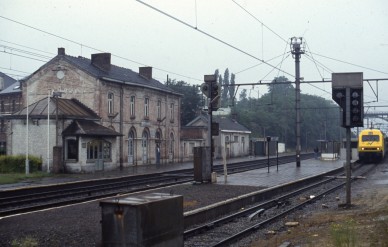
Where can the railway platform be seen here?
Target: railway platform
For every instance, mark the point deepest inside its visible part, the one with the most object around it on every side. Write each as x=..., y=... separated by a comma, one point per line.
x=285, y=173
x=260, y=177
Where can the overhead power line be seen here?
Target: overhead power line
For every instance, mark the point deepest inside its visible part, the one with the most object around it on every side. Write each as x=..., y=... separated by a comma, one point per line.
x=341, y=61
x=95, y=49
x=285, y=40
x=211, y=36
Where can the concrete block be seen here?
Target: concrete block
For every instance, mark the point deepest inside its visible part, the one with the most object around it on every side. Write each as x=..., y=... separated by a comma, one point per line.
x=154, y=219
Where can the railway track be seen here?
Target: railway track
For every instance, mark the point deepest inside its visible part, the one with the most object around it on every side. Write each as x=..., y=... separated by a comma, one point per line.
x=42, y=197
x=231, y=228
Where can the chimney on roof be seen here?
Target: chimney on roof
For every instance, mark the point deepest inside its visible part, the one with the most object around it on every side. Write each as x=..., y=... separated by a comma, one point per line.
x=101, y=61
x=145, y=72
x=61, y=51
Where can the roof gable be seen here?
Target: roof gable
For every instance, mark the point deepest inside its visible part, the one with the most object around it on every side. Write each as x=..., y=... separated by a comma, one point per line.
x=8, y=81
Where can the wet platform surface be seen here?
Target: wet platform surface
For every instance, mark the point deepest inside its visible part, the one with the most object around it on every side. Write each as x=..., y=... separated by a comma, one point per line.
x=286, y=173
x=260, y=177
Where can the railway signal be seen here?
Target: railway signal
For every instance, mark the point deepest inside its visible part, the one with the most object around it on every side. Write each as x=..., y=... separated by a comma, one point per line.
x=356, y=107
x=347, y=92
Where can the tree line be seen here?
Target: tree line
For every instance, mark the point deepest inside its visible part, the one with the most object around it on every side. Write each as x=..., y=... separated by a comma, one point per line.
x=271, y=114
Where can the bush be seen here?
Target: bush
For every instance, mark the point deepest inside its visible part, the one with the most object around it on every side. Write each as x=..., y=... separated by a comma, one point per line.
x=17, y=163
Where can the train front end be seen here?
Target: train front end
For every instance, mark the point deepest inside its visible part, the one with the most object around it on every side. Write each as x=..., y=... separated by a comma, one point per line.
x=371, y=145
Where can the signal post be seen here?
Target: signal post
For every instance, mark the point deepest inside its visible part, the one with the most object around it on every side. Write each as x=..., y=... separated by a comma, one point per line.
x=347, y=92
x=212, y=90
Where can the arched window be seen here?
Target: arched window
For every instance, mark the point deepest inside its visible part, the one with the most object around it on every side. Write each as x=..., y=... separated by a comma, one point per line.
x=171, y=142
x=131, y=146
x=171, y=148
x=144, y=145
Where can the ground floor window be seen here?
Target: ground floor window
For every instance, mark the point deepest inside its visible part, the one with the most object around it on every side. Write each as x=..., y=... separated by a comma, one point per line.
x=3, y=148
x=99, y=149
x=72, y=149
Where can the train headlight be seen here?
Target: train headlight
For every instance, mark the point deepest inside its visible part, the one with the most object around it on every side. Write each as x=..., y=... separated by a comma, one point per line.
x=378, y=149
x=362, y=149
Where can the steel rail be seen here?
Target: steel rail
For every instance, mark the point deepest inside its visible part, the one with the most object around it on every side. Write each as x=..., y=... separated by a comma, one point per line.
x=42, y=197
x=257, y=226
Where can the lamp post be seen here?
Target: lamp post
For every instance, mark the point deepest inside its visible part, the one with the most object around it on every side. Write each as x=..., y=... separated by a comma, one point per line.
x=268, y=140
x=48, y=132
x=27, y=139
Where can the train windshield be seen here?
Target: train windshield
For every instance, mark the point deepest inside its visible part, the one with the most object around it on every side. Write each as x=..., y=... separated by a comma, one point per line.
x=370, y=138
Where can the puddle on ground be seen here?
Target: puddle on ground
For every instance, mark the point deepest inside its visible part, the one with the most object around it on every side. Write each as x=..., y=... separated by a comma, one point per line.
x=382, y=181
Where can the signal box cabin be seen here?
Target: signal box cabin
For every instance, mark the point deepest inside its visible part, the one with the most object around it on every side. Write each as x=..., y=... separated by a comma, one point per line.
x=88, y=114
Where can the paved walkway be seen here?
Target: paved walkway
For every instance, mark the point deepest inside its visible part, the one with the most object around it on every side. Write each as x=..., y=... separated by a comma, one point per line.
x=286, y=173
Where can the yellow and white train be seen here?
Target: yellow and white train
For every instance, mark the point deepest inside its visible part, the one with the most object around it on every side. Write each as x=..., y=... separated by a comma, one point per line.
x=372, y=144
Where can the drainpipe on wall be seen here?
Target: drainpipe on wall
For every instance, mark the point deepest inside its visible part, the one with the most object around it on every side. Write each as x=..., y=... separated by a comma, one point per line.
x=121, y=127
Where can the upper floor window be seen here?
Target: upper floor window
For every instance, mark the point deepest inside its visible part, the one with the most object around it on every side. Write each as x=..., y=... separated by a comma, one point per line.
x=172, y=112
x=110, y=103
x=2, y=106
x=146, y=107
x=13, y=105
x=159, y=109
x=2, y=125
x=132, y=107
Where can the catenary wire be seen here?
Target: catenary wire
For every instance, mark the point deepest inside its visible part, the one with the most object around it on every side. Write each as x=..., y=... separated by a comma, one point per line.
x=341, y=61
x=99, y=50
x=254, y=17
x=211, y=36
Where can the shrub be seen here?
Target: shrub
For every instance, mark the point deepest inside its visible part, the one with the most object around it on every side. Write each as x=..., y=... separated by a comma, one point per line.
x=344, y=234
x=17, y=163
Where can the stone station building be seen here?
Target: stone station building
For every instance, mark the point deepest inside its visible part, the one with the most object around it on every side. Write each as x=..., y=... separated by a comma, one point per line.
x=88, y=115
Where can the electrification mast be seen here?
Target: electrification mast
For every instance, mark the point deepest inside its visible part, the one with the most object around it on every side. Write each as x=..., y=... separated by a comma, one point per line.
x=297, y=50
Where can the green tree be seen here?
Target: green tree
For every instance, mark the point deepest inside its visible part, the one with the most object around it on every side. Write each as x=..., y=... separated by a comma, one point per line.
x=191, y=100
x=232, y=89
x=224, y=88
x=274, y=113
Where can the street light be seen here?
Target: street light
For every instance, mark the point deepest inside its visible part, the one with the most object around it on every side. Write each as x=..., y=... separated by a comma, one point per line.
x=268, y=140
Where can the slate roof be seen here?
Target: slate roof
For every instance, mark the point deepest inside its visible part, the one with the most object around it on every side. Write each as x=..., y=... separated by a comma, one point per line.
x=228, y=124
x=67, y=109
x=13, y=88
x=8, y=81
x=116, y=73
x=225, y=123
x=88, y=128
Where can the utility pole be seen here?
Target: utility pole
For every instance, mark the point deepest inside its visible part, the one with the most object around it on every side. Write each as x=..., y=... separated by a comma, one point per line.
x=297, y=50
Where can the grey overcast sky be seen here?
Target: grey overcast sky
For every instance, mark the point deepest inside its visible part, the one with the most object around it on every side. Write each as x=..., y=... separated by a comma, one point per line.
x=340, y=36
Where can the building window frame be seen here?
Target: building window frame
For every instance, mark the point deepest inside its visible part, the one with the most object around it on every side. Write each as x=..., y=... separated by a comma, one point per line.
x=99, y=149
x=132, y=107
x=159, y=109
x=72, y=149
x=146, y=107
x=171, y=112
x=110, y=103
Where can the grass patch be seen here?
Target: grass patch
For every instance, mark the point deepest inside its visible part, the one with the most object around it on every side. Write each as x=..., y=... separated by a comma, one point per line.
x=10, y=178
x=344, y=234
x=25, y=242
